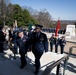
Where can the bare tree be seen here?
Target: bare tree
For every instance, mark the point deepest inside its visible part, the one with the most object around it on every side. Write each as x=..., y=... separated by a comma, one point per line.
x=44, y=18
x=31, y=10
x=3, y=9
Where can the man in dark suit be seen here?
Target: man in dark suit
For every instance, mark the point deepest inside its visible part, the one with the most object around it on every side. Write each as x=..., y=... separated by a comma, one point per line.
x=39, y=44
x=23, y=46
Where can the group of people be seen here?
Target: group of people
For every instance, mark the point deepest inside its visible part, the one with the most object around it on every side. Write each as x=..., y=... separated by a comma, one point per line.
x=35, y=41
x=56, y=41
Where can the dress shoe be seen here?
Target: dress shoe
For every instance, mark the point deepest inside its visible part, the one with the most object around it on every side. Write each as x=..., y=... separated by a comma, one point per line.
x=36, y=72
x=22, y=66
x=34, y=65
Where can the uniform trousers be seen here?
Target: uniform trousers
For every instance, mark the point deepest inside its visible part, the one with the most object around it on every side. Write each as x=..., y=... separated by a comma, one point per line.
x=23, y=59
x=56, y=48
x=62, y=49
x=37, y=59
x=1, y=47
x=51, y=47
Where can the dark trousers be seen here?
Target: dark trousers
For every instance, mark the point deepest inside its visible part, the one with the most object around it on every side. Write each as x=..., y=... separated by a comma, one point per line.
x=14, y=48
x=51, y=47
x=56, y=48
x=23, y=59
x=37, y=59
x=1, y=47
x=62, y=49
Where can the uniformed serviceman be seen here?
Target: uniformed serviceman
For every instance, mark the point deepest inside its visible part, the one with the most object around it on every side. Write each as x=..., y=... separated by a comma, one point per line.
x=23, y=47
x=39, y=44
x=13, y=37
x=56, y=44
x=52, y=42
x=62, y=44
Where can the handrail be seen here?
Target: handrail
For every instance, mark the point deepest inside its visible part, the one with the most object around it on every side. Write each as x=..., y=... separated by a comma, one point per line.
x=71, y=41
x=70, y=50
x=57, y=63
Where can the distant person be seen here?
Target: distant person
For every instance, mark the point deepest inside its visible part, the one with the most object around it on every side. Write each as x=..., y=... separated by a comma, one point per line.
x=30, y=32
x=2, y=38
x=12, y=38
x=24, y=31
x=15, y=27
x=52, y=42
x=39, y=43
x=56, y=44
x=11, y=32
x=64, y=31
x=62, y=44
x=6, y=43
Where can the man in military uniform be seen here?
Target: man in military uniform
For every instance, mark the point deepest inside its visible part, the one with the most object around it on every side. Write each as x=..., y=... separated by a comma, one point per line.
x=13, y=37
x=52, y=41
x=23, y=47
x=56, y=44
x=62, y=44
x=39, y=44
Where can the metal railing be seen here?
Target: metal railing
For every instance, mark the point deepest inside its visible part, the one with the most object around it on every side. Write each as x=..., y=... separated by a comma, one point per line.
x=71, y=49
x=49, y=68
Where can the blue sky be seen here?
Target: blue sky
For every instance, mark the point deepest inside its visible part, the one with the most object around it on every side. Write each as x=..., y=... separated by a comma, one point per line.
x=65, y=9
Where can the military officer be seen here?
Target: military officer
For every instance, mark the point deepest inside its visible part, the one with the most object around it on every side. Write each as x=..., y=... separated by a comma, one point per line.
x=39, y=44
x=13, y=37
x=51, y=42
x=56, y=43
x=23, y=46
x=62, y=44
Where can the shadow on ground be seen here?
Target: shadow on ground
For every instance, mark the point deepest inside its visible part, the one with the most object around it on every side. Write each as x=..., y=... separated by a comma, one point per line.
x=10, y=66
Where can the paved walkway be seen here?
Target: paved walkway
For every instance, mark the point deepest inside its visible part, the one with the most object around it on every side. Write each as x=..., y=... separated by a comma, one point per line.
x=8, y=66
